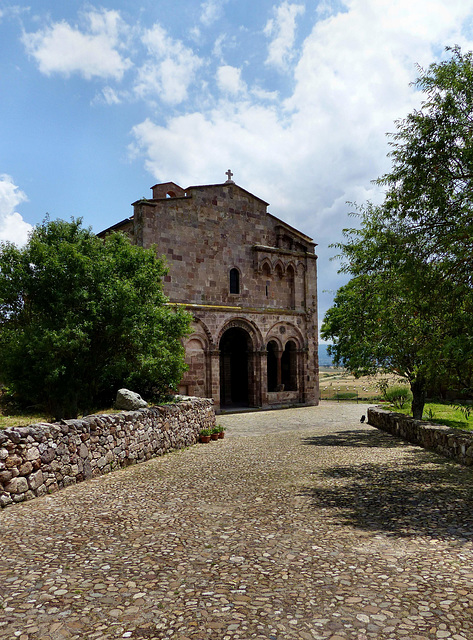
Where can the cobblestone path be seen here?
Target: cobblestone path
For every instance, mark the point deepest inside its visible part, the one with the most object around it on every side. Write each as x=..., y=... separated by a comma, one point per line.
x=301, y=524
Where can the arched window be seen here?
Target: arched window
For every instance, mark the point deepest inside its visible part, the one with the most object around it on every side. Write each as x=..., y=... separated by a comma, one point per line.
x=234, y=281
x=291, y=287
x=266, y=271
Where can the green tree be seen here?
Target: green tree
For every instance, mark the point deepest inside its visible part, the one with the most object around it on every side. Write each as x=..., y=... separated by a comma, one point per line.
x=411, y=258
x=393, y=321
x=80, y=318
x=430, y=186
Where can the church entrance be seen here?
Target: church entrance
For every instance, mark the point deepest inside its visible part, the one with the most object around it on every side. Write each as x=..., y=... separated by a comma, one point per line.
x=235, y=358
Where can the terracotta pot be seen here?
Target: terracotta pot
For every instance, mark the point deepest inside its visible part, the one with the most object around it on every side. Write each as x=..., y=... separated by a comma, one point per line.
x=221, y=434
x=205, y=438
x=214, y=436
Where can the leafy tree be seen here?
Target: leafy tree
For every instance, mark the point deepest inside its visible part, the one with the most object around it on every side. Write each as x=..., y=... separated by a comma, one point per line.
x=393, y=321
x=430, y=186
x=408, y=306
x=80, y=317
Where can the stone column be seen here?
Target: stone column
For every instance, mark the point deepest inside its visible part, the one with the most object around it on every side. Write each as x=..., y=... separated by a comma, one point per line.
x=214, y=356
x=262, y=356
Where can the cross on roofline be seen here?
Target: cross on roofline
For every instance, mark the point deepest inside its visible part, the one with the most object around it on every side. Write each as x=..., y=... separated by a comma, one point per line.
x=229, y=175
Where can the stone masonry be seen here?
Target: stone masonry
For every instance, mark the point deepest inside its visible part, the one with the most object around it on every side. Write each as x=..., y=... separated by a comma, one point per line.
x=250, y=282
x=43, y=458
x=451, y=443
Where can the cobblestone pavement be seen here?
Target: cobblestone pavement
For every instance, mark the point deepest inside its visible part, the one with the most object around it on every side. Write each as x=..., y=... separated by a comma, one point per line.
x=301, y=524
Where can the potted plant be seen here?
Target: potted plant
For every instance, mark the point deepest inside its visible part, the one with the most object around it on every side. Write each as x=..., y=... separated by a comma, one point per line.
x=214, y=433
x=205, y=435
x=221, y=433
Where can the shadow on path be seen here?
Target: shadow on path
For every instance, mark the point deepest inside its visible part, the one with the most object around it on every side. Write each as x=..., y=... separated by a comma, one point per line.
x=357, y=438
x=416, y=493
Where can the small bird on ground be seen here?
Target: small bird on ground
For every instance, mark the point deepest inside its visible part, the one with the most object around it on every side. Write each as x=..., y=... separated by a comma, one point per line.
x=363, y=418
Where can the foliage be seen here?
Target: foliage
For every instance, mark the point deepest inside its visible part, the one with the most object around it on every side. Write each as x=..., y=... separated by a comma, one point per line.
x=443, y=413
x=465, y=410
x=80, y=318
x=407, y=309
x=430, y=184
x=398, y=395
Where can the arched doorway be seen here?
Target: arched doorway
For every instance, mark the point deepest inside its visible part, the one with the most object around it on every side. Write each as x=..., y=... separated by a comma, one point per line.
x=235, y=346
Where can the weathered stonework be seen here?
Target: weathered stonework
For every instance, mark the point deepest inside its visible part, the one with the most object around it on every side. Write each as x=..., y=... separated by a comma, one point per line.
x=250, y=282
x=451, y=443
x=44, y=457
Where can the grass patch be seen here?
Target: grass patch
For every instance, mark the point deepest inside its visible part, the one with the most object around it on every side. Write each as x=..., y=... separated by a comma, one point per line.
x=24, y=419
x=20, y=420
x=442, y=413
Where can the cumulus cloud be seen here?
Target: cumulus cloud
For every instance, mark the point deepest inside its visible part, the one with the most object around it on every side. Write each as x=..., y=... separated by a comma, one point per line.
x=12, y=226
x=169, y=69
x=91, y=52
x=323, y=145
x=229, y=80
x=212, y=10
x=282, y=29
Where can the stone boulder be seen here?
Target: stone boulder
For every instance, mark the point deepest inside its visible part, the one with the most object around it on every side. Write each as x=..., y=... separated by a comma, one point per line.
x=129, y=400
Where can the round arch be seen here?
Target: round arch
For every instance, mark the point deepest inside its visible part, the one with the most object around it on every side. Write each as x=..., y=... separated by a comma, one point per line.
x=202, y=330
x=239, y=344
x=247, y=325
x=282, y=332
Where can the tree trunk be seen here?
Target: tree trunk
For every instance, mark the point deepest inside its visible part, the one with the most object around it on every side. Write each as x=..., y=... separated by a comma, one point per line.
x=418, y=397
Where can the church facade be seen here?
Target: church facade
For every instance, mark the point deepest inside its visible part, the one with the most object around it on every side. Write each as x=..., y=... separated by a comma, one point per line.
x=250, y=282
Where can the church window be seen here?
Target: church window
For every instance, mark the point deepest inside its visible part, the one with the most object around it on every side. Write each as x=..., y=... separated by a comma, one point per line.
x=234, y=281
x=291, y=287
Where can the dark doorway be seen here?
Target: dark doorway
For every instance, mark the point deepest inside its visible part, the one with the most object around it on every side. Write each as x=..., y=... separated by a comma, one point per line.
x=234, y=347
x=272, y=366
x=289, y=367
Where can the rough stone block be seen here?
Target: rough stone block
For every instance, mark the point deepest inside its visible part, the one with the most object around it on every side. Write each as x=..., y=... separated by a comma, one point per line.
x=17, y=485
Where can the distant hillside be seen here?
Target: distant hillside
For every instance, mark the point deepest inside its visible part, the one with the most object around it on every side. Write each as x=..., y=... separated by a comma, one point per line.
x=324, y=359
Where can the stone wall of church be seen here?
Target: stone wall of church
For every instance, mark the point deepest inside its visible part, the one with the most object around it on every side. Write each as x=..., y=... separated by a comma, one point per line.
x=232, y=264
x=211, y=230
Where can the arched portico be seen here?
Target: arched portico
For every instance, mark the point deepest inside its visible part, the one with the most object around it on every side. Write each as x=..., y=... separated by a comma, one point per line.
x=239, y=365
x=235, y=350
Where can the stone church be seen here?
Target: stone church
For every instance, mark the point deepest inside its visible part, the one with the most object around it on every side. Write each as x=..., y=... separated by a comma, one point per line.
x=250, y=283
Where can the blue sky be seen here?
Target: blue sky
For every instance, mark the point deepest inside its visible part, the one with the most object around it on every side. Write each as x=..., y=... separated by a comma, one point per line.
x=99, y=101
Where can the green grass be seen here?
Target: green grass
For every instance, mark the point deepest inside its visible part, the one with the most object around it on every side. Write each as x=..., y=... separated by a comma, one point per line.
x=18, y=419
x=442, y=413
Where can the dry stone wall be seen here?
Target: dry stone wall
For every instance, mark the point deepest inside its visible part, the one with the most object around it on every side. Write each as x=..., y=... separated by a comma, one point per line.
x=452, y=443
x=44, y=457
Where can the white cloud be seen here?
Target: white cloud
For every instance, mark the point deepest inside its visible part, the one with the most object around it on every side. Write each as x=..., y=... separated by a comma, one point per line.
x=218, y=46
x=212, y=10
x=12, y=226
x=283, y=30
x=169, y=70
x=93, y=52
x=108, y=96
x=323, y=145
x=229, y=80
